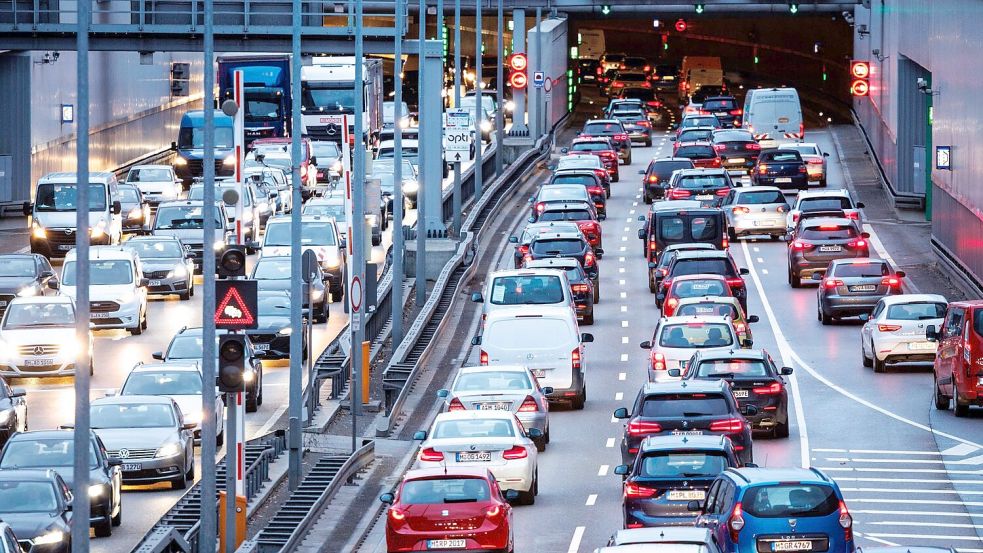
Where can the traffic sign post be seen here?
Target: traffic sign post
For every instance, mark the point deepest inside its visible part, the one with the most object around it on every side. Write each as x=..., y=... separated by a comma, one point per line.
x=548, y=89
x=458, y=127
x=538, y=79
x=236, y=305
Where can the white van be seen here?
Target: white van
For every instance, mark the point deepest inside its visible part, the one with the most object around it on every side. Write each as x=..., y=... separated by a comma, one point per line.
x=117, y=289
x=53, y=212
x=773, y=116
x=523, y=287
x=544, y=338
x=592, y=45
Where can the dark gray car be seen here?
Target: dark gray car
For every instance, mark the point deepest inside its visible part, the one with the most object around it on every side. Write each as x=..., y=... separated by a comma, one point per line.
x=819, y=241
x=27, y=274
x=853, y=287
x=166, y=265
x=37, y=504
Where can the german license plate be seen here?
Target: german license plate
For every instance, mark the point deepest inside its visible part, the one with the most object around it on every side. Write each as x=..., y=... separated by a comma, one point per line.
x=131, y=467
x=783, y=180
x=446, y=544
x=687, y=432
x=922, y=346
x=797, y=545
x=494, y=406
x=473, y=456
x=41, y=362
x=705, y=197
x=721, y=114
x=261, y=346
x=736, y=160
x=687, y=495
x=100, y=315
x=65, y=247
x=765, y=223
x=830, y=248
x=863, y=288
x=740, y=393
x=155, y=283
x=539, y=373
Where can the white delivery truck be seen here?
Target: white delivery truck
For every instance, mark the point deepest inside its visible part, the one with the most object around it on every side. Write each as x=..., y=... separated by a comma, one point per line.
x=591, y=44
x=328, y=93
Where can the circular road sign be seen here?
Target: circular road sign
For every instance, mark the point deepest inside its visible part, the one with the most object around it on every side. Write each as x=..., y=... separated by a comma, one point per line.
x=356, y=294
x=547, y=85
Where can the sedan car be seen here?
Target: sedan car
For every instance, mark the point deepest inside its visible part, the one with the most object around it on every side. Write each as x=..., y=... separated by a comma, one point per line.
x=589, y=162
x=659, y=269
x=815, y=160
x=54, y=450
x=168, y=268
x=598, y=188
x=755, y=210
x=724, y=108
x=494, y=439
x=782, y=168
x=693, y=134
x=699, y=539
x=636, y=123
x=823, y=200
x=601, y=147
x=719, y=306
x=711, y=262
x=157, y=183
x=676, y=339
x=149, y=435
x=895, y=330
x=275, y=274
x=581, y=287
x=559, y=193
x=38, y=337
x=582, y=213
x=819, y=241
x=37, y=504
x=852, y=287
x=693, y=120
x=13, y=411
x=134, y=209
x=272, y=333
x=702, y=154
x=449, y=508
x=25, y=275
x=706, y=185
x=737, y=149
x=502, y=388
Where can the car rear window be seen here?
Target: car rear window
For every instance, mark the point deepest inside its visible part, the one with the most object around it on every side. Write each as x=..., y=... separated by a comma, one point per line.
x=527, y=333
x=603, y=128
x=473, y=428
x=614, y=57
x=822, y=204
x=790, y=500
x=492, y=380
x=978, y=322
x=638, y=94
x=562, y=193
x=589, y=147
x=709, y=121
x=563, y=246
x=916, y=311
x=526, y=290
x=696, y=335
x=588, y=180
x=683, y=464
x=704, y=228
x=697, y=288
x=632, y=77
x=696, y=152
x=695, y=135
x=861, y=270
x=830, y=232
x=783, y=157
x=565, y=215
x=684, y=405
x=723, y=368
x=444, y=490
x=733, y=136
x=579, y=163
x=702, y=181
x=708, y=309
x=664, y=169
x=761, y=197
x=703, y=266
x=725, y=104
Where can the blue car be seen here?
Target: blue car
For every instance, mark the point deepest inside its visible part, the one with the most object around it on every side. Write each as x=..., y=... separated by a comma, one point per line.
x=753, y=510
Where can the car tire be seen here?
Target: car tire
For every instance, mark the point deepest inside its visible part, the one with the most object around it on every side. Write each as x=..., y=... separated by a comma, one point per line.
x=879, y=366
x=103, y=529
x=822, y=183
x=629, y=159
x=597, y=292
x=868, y=362
x=540, y=444
x=959, y=408
x=775, y=237
x=795, y=281
x=546, y=436
x=823, y=317
x=529, y=497
x=589, y=319
x=185, y=296
x=732, y=234
x=616, y=177
x=251, y=404
x=607, y=192
x=580, y=400
x=118, y=519
x=143, y=322
x=781, y=430
x=648, y=143
x=137, y=330
x=941, y=400
x=179, y=483
x=647, y=198
x=652, y=286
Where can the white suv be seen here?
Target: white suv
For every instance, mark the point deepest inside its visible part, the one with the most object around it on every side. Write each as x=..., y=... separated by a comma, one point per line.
x=117, y=289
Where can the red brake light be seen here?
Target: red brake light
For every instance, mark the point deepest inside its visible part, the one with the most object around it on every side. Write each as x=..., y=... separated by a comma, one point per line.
x=621, y=137
x=719, y=147
x=303, y=170
x=455, y=405
x=600, y=71
x=740, y=327
x=600, y=172
x=723, y=192
x=647, y=68
x=516, y=452
x=802, y=169
x=855, y=215
x=741, y=209
x=846, y=522
x=670, y=307
x=396, y=514
x=891, y=281
x=493, y=511
x=888, y=328
x=589, y=259
x=679, y=193
x=752, y=146
x=730, y=426
x=800, y=245
x=431, y=454
x=738, y=282
x=735, y=523
x=524, y=249
x=633, y=490
x=762, y=169
x=579, y=289
x=658, y=362
x=653, y=178
x=484, y=356
x=832, y=283
x=529, y=405
x=653, y=245
x=770, y=390
x=737, y=111
x=815, y=162
x=859, y=243
x=540, y=207
x=725, y=243
x=575, y=358
x=640, y=428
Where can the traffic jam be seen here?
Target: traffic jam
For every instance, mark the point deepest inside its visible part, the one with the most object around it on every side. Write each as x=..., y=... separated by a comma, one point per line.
x=705, y=457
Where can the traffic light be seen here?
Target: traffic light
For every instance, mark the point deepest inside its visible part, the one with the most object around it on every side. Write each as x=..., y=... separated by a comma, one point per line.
x=860, y=74
x=517, y=67
x=681, y=26
x=231, y=362
x=231, y=261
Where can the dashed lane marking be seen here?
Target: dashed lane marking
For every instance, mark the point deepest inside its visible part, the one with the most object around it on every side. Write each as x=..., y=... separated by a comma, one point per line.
x=619, y=396
x=624, y=324
x=578, y=534
x=624, y=308
x=622, y=376
x=624, y=339
x=603, y=471
x=624, y=357
x=609, y=443
x=591, y=500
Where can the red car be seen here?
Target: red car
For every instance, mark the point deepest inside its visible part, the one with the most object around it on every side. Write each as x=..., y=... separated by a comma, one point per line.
x=959, y=361
x=600, y=147
x=453, y=508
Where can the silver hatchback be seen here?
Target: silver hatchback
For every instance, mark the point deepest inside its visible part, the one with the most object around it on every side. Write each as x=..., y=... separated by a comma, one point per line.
x=755, y=210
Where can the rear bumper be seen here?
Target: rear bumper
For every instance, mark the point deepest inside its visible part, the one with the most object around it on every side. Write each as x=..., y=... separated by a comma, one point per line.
x=898, y=350
x=845, y=306
x=799, y=182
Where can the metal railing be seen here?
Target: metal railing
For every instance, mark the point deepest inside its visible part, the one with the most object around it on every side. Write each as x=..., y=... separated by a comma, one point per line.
x=162, y=156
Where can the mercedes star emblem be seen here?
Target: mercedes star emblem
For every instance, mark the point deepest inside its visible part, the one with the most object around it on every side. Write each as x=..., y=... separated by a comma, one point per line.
x=38, y=350
x=685, y=424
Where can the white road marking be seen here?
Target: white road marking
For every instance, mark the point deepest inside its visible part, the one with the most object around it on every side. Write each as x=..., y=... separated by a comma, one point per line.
x=619, y=396
x=624, y=308
x=960, y=449
x=624, y=356
x=908, y=501
x=591, y=500
x=756, y=249
x=905, y=470
x=886, y=451
x=623, y=248
x=624, y=324
x=635, y=204
x=621, y=259
x=631, y=212
x=624, y=340
x=621, y=269
x=627, y=220
x=922, y=524
x=25, y=249
x=761, y=260
x=609, y=443
x=638, y=196
x=896, y=512
x=624, y=238
x=764, y=271
x=578, y=534
x=621, y=282
x=913, y=491
x=892, y=461
x=603, y=471
x=926, y=537
x=909, y=480
x=622, y=376
x=624, y=295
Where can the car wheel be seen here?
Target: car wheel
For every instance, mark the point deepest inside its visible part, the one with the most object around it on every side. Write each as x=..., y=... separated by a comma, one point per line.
x=580, y=400
x=179, y=483
x=648, y=143
x=616, y=177
x=781, y=430
x=794, y=281
x=597, y=291
x=186, y=295
x=867, y=360
x=259, y=389
x=540, y=444
x=629, y=159
x=941, y=400
x=589, y=319
x=822, y=183
x=104, y=529
x=647, y=198
x=143, y=322
x=823, y=317
x=775, y=237
x=118, y=519
x=732, y=234
x=607, y=192
x=251, y=403
x=958, y=407
x=138, y=329
x=879, y=366
x=190, y=475
x=652, y=286
x=529, y=497
x=546, y=437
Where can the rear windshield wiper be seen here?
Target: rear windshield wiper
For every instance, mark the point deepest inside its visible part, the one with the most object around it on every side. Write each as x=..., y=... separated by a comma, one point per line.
x=720, y=375
x=695, y=414
x=460, y=500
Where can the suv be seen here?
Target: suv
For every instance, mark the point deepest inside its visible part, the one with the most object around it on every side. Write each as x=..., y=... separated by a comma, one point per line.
x=709, y=185
x=737, y=149
x=680, y=222
x=117, y=289
x=823, y=200
x=572, y=245
x=818, y=242
x=583, y=213
x=521, y=253
x=702, y=153
x=958, y=370
x=655, y=178
x=708, y=262
x=724, y=108
x=183, y=219
x=166, y=266
x=613, y=129
x=598, y=188
x=776, y=509
x=158, y=183
x=854, y=286
x=39, y=333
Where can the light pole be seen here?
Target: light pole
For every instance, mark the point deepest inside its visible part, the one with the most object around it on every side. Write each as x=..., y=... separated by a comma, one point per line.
x=421, y=227
x=457, y=105
x=500, y=94
x=478, y=112
x=397, y=230
x=296, y=393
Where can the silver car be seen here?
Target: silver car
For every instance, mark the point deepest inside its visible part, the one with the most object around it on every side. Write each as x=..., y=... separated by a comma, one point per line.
x=676, y=339
x=754, y=210
x=502, y=388
x=149, y=435
x=166, y=265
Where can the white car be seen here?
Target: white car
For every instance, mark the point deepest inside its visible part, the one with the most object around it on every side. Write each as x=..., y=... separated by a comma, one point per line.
x=117, y=289
x=676, y=339
x=37, y=337
x=895, y=330
x=815, y=200
x=494, y=440
x=180, y=381
x=509, y=288
x=157, y=183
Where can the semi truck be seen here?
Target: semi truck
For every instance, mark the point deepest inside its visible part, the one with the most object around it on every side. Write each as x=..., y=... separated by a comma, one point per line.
x=328, y=93
x=266, y=84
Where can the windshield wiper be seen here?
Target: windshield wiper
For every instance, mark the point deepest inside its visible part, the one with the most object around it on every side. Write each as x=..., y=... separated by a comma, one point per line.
x=695, y=414
x=720, y=375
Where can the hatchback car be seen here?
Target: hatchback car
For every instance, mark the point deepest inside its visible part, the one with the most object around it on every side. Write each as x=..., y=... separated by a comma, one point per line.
x=852, y=287
x=523, y=239
x=168, y=268
x=273, y=327
x=157, y=183
x=693, y=134
x=755, y=210
x=705, y=185
x=702, y=154
x=24, y=275
x=585, y=162
x=655, y=177
x=659, y=269
x=895, y=330
x=737, y=149
x=598, y=188
x=582, y=213
x=777, y=509
x=724, y=108
x=817, y=242
x=636, y=123
x=274, y=274
x=958, y=369
x=668, y=473
x=581, y=287
x=319, y=234
x=815, y=160
x=823, y=200
x=693, y=120
x=443, y=508
x=687, y=409
x=782, y=168
x=613, y=129
x=719, y=306
x=559, y=193
x=600, y=147
x=676, y=339
x=688, y=539
x=572, y=245
x=134, y=209
x=37, y=504
x=691, y=286
x=755, y=380
x=714, y=262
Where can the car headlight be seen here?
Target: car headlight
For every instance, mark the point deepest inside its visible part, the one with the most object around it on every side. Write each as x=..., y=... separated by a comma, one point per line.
x=180, y=161
x=337, y=167
x=404, y=123
x=28, y=291
x=411, y=187
x=285, y=331
x=38, y=231
x=178, y=272
x=5, y=415
x=49, y=537
x=169, y=450
x=219, y=245
x=96, y=490
x=98, y=230
x=135, y=213
x=510, y=106
x=248, y=375
x=332, y=261
x=486, y=126
x=229, y=160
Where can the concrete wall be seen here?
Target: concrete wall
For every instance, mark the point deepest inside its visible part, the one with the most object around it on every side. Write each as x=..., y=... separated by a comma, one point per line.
x=944, y=37
x=552, y=38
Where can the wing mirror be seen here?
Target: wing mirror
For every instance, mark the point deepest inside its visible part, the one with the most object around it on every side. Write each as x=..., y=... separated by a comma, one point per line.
x=547, y=390
x=786, y=371
x=513, y=239
x=114, y=462
x=675, y=373
x=53, y=284
x=144, y=282
x=117, y=207
x=534, y=433
x=753, y=318
x=931, y=334
x=786, y=237
x=621, y=413
x=531, y=220
x=476, y=297
x=660, y=297
x=443, y=393
x=420, y=435
x=641, y=234
x=476, y=341
x=825, y=154
x=746, y=344
x=586, y=338
x=621, y=470
x=18, y=392
x=864, y=317
x=27, y=208
x=158, y=355
x=900, y=274
x=641, y=218
x=189, y=425
x=641, y=171
x=865, y=234
x=653, y=264
x=645, y=345
x=46, y=274
x=387, y=498
x=860, y=205
x=743, y=271
x=112, y=392
x=564, y=150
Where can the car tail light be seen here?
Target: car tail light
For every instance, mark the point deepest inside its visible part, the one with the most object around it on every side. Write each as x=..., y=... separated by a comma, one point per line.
x=795, y=217
x=654, y=104
x=891, y=281
x=658, y=362
x=653, y=245
x=608, y=154
x=589, y=259
x=600, y=172
x=846, y=522
x=802, y=130
x=679, y=193
x=741, y=209
x=670, y=307
x=802, y=169
x=858, y=243
x=455, y=405
x=595, y=190
x=634, y=491
x=644, y=123
x=754, y=146
x=737, y=111
x=725, y=243
x=769, y=390
x=888, y=328
x=621, y=137
x=622, y=66
x=832, y=282
x=720, y=147
x=303, y=171
x=855, y=215
x=575, y=358
x=722, y=192
x=529, y=405
x=579, y=288
x=494, y=511
x=653, y=179
x=740, y=327
x=647, y=68
x=397, y=515
x=540, y=207
x=715, y=162
x=801, y=245
x=524, y=249
x=483, y=357
x=704, y=112
x=762, y=169
x=735, y=523
x=641, y=428
x=735, y=282
x=600, y=71
x=730, y=426
x=431, y=454
x=515, y=452
x=815, y=162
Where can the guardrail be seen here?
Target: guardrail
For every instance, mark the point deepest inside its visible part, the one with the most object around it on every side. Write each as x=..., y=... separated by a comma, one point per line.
x=152, y=158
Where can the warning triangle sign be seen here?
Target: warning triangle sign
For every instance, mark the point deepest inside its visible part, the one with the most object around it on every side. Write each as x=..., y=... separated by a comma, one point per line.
x=237, y=304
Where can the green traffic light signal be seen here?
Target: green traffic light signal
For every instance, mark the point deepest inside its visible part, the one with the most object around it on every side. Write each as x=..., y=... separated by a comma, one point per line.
x=756, y=60
x=793, y=7
x=699, y=8
x=606, y=9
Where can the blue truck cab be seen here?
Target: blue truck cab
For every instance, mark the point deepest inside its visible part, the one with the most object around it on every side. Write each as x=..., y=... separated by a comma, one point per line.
x=191, y=142
x=266, y=86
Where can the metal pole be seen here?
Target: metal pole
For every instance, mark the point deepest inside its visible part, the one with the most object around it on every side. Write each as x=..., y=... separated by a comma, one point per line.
x=231, y=467
x=500, y=93
x=519, y=126
x=295, y=393
x=421, y=226
x=538, y=66
x=83, y=360
x=478, y=111
x=357, y=232
x=209, y=509
x=457, y=105
x=398, y=269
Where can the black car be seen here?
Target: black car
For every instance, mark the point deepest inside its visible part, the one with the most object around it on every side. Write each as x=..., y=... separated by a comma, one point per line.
x=710, y=263
x=755, y=380
x=54, y=450
x=25, y=274
x=681, y=222
x=572, y=245
x=782, y=168
x=581, y=287
x=530, y=231
x=668, y=473
x=13, y=410
x=186, y=346
x=659, y=269
x=655, y=178
x=272, y=334
x=686, y=408
x=613, y=129
x=587, y=69
x=135, y=210
x=274, y=273
x=818, y=241
x=585, y=177
x=37, y=504
x=737, y=149
x=167, y=266
x=724, y=107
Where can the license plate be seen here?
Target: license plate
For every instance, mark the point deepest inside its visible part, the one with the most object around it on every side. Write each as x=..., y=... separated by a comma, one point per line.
x=687, y=432
x=539, y=373
x=740, y=393
x=39, y=362
x=830, y=248
x=131, y=467
x=155, y=283
x=261, y=347
x=687, y=495
x=473, y=456
x=446, y=544
x=783, y=180
x=765, y=223
x=798, y=545
x=922, y=346
x=65, y=247
x=101, y=315
x=494, y=406
x=721, y=114
x=736, y=160
x=705, y=197
x=863, y=288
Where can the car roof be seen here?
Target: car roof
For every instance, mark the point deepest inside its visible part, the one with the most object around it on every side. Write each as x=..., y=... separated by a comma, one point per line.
x=474, y=414
x=698, y=128
x=20, y=475
x=699, y=276
x=679, y=205
x=153, y=238
x=525, y=272
x=702, y=254
x=407, y=142
x=668, y=443
x=700, y=170
x=690, y=246
x=672, y=158
x=735, y=353
x=760, y=475
x=450, y=471
x=837, y=192
x=326, y=200
x=912, y=298
x=558, y=205
x=105, y=252
x=858, y=261
x=559, y=235
x=135, y=399
x=495, y=368
x=548, y=261
x=304, y=218
x=150, y=167
x=694, y=142
x=745, y=189
x=698, y=319
x=44, y=299
x=551, y=311
x=610, y=121
x=685, y=387
x=662, y=534
x=821, y=221
x=44, y=435
x=708, y=299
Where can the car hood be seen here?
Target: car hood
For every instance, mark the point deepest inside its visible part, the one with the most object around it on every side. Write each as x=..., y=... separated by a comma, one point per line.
x=151, y=265
x=38, y=335
x=136, y=438
x=104, y=292
x=96, y=475
x=272, y=323
x=27, y=526
x=12, y=285
x=66, y=219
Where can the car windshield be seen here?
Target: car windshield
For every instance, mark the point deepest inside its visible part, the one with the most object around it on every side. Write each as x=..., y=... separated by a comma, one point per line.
x=565, y=246
x=830, y=232
x=701, y=181
x=492, y=380
x=64, y=197
x=132, y=415
x=316, y=233
x=917, y=311
x=782, y=157
x=632, y=77
x=164, y=383
x=697, y=288
x=409, y=152
x=790, y=500
x=42, y=453
x=802, y=149
x=682, y=464
x=696, y=152
x=273, y=305
x=978, y=322
x=565, y=215
x=709, y=121
x=702, y=266
x=823, y=204
x=473, y=428
x=335, y=211
x=327, y=97
x=193, y=138
x=325, y=150
x=639, y=94
x=156, y=249
x=389, y=111
x=726, y=368
x=198, y=193
x=24, y=315
x=628, y=114
x=150, y=174
x=526, y=290
x=280, y=162
x=101, y=272
x=708, y=309
x=386, y=167
x=17, y=267
x=684, y=405
x=696, y=335
x=664, y=169
x=758, y=197
x=184, y=218
x=444, y=490
x=185, y=346
x=603, y=128
x=588, y=180
x=128, y=195
x=274, y=268
x=30, y=496
x=861, y=270
x=262, y=108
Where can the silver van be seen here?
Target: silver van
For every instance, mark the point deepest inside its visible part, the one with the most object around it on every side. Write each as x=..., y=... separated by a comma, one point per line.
x=53, y=213
x=773, y=116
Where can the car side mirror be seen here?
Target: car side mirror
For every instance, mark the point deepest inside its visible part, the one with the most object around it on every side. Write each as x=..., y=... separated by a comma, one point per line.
x=641, y=234
x=621, y=413
x=586, y=338
x=158, y=355
x=476, y=297
x=511, y=495
x=513, y=239
x=531, y=220
x=672, y=139
x=47, y=274
x=564, y=150
x=342, y=242
x=931, y=334
x=660, y=297
x=189, y=425
x=144, y=282
x=860, y=205
x=547, y=390
x=420, y=435
x=53, y=284
x=864, y=317
x=641, y=171
x=743, y=271
x=18, y=392
x=599, y=251
x=750, y=410
x=114, y=462
x=753, y=318
x=117, y=207
x=786, y=371
x=641, y=218
x=551, y=167
x=534, y=433
x=67, y=426
x=825, y=154
x=443, y=393
x=900, y=274
x=621, y=470
x=387, y=498
x=27, y=208
x=751, y=465
x=645, y=345
x=746, y=344
x=694, y=505
x=865, y=234
x=476, y=341
x=675, y=373
x=786, y=237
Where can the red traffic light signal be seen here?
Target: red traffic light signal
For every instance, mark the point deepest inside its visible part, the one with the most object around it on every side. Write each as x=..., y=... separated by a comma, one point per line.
x=681, y=25
x=518, y=80
x=860, y=87
x=518, y=62
x=860, y=69
x=860, y=72
x=517, y=65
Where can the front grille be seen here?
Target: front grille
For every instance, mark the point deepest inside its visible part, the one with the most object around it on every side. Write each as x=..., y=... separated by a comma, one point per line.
x=132, y=454
x=40, y=349
x=5, y=300
x=155, y=274
x=197, y=167
x=61, y=237
x=103, y=306
x=325, y=132
x=261, y=338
